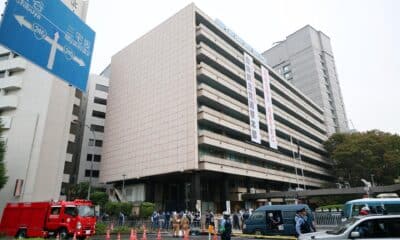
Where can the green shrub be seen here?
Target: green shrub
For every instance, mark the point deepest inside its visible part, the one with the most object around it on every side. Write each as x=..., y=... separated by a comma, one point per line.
x=112, y=208
x=101, y=228
x=146, y=209
x=126, y=208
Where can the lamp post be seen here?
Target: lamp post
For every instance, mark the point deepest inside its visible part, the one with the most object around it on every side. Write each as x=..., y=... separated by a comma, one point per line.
x=123, y=185
x=372, y=180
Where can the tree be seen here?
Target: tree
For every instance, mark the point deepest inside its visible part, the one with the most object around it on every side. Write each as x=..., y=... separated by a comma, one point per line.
x=78, y=191
x=99, y=198
x=3, y=177
x=359, y=155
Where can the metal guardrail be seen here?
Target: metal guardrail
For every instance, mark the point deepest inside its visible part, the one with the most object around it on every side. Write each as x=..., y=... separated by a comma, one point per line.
x=328, y=218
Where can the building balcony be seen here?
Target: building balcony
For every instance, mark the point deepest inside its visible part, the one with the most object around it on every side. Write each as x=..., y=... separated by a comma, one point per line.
x=8, y=102
x=13, y=65
x=11, y=83
x=6, y=122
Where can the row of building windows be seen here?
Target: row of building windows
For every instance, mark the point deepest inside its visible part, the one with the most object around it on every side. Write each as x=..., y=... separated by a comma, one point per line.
x=239, y=80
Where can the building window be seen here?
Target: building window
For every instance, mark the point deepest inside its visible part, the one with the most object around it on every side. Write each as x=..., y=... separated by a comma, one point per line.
x=97, y=128
x=97, y=143
x=97, y=158
x=101, y=101
x=99, y=114
x=75, y=110
x=95, y=173
x=2, y=74
x=102, y=88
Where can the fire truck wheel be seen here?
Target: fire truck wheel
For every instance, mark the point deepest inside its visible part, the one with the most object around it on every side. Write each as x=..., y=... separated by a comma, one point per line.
x=21, y=234
x=63, y=233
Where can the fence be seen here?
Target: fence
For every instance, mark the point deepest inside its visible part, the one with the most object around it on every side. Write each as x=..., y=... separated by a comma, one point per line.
x=328, y=218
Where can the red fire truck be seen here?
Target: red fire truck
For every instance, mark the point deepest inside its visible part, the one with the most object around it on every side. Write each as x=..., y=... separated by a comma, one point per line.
x=42, y=219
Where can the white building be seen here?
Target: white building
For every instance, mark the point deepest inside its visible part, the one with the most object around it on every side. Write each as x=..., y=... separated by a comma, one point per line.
x=93, y=130
x=305, y=59
x=37, y=110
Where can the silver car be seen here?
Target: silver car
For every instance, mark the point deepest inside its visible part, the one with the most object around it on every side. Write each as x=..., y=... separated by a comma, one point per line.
x=362, y=227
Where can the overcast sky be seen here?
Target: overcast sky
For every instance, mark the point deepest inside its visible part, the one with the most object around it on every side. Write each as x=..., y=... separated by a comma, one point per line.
x=364, y=34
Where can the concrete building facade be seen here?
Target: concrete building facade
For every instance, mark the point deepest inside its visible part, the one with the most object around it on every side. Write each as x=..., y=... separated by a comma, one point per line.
x=305, y=59
x=93, y=127
x=37, y=110
x=181, y=112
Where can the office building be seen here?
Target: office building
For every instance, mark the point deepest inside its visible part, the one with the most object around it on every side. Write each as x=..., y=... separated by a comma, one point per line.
x=93, y=128
x=37, y=110
x=305, y=59
x=195, y=118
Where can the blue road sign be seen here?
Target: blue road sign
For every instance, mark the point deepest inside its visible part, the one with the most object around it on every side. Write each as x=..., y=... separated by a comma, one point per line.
x=50, y=35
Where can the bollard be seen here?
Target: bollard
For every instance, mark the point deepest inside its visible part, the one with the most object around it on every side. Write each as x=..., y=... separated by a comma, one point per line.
x=74, y=238
x=112, y=227
x=58, y=236
x=119, y=236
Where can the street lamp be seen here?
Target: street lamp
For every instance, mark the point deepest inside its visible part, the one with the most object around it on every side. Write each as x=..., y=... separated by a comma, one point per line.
x=372, y=180
x=92, y=158
x=123, y=185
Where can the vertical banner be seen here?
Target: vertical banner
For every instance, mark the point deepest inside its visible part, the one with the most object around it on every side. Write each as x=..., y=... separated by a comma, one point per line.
x=251, y=99
x=269, y=113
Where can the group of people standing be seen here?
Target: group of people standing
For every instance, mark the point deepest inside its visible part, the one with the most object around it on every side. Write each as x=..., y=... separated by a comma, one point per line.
x=180, y=222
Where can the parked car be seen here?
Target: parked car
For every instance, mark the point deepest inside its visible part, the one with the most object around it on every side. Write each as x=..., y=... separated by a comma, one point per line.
x=275, y=220
x=362, y=227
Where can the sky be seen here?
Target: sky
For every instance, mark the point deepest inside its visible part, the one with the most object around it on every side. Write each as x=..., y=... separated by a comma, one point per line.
x=363, y=34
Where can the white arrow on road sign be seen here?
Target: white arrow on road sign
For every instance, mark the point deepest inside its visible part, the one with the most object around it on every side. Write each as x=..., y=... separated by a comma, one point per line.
x=53, y=42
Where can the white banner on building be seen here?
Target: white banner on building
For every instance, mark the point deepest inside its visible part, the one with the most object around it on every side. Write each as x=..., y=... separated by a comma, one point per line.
x=269, y=112
x=251, y=99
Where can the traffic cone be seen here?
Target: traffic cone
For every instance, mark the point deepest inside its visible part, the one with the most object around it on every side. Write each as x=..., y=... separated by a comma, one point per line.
x=74, y=238
x=186, y=235
x=144, y=237
x=108, y=234
x=159, y=234
x=215, y=236
x=119, y=236
x=133, y=235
